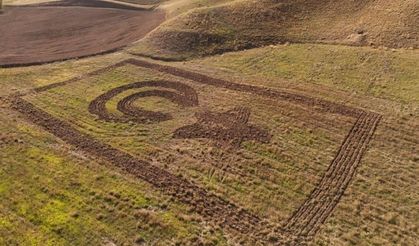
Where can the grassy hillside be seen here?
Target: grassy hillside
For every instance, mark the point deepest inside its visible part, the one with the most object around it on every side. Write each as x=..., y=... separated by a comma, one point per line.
x=49, y=197
x=380, y=73
x=352, y=53
x=236, y=25
x=379, y=208
x=371, y=211
x=53, y=194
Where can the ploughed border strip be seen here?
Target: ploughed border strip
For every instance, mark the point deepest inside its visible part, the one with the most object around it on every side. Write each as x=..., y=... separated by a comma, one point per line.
x=304, y=222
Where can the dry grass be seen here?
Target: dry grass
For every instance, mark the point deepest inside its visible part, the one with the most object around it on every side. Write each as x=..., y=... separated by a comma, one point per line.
x=53, y=194
x=380, y=207
x=249, y=176
x=246, y=24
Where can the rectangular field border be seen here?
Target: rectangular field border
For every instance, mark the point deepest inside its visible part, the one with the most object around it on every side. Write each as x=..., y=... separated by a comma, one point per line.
x=301, y=226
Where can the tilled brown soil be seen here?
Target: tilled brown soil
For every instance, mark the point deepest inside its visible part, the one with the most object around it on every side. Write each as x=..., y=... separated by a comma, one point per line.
x=229, y=128
x=185, y=96
x=304, y=222
x=38, y=35
x=84, y=3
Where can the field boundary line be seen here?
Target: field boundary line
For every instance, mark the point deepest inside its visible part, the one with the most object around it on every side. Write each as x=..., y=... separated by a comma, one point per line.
x=303, y=224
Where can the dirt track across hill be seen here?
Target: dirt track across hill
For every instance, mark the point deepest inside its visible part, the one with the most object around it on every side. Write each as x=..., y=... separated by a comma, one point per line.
x=34, y=35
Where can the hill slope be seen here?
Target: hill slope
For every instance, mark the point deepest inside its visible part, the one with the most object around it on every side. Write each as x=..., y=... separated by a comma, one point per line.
x=246, y=24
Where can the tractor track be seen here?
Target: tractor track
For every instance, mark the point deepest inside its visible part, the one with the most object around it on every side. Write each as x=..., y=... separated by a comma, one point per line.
x=304, y=223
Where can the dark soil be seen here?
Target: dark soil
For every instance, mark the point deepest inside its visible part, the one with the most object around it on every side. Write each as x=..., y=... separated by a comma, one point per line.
x=37, y=35
x=229, y=128
x=185, y=96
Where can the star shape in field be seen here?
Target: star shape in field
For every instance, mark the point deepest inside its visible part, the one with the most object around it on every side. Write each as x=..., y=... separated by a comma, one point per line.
x=226, y=128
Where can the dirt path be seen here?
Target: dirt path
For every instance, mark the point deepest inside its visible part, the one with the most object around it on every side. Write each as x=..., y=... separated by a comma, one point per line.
x=36, y=35
x=304, y=222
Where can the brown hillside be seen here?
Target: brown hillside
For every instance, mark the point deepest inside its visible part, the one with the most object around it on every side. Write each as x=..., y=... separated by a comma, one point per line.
x=250, y=23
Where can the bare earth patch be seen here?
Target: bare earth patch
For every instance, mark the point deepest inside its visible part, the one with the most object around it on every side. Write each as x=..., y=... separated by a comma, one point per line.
x=29, y=37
